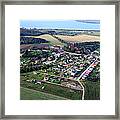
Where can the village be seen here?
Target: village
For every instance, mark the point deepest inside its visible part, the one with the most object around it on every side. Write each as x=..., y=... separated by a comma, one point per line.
x=60, y=62
x=58, y=66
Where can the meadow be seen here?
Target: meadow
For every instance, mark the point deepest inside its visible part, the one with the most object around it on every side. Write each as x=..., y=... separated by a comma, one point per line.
x=30, y=94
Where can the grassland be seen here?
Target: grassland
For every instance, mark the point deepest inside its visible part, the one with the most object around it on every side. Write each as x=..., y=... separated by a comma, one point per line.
x=53, y=89
x=92, y=90
x=79, y=38
x=30, y=94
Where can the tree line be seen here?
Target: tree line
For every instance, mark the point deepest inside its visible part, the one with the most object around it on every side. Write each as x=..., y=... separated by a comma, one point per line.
x=31, y=40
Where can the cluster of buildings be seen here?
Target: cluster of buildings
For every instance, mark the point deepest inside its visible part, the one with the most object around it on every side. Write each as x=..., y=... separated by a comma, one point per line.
x=59, y=66
x=57, y=80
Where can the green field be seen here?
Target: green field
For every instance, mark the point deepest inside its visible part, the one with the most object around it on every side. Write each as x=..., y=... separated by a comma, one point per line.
x=92, y=90
x=29, y=94
x=53, y=89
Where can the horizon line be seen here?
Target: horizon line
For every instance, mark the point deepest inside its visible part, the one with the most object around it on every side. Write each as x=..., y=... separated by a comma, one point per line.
x=58, y=28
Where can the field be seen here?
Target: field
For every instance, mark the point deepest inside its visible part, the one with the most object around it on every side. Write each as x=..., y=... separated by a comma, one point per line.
x=52, y=89
x=29, y=94
x=53, y=41
x=79, y=38
x=92, y=90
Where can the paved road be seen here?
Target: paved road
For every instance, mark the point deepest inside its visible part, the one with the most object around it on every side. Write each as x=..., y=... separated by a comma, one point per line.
x=72, y=53
x=91, y=65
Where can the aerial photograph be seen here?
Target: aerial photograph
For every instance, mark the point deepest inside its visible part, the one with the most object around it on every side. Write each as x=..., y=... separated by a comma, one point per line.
x=60, y=60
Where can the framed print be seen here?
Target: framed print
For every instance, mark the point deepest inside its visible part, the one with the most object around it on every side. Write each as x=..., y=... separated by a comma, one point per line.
x=59, y=60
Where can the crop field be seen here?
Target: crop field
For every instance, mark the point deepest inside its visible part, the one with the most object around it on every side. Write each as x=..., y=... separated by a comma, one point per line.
x=30, y=94
x=27, y=46
x=79, y=38
x=53, y=41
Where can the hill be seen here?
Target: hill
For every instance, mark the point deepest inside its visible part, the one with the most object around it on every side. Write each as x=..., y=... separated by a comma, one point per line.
x=50, y=38
x=79, y=38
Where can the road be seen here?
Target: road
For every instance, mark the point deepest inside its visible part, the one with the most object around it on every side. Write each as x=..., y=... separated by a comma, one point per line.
x=91, y=65
x=72, y=53
x=83, y=89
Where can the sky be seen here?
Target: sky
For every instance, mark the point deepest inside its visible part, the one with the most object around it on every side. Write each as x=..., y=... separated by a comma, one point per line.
x=62, y=24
